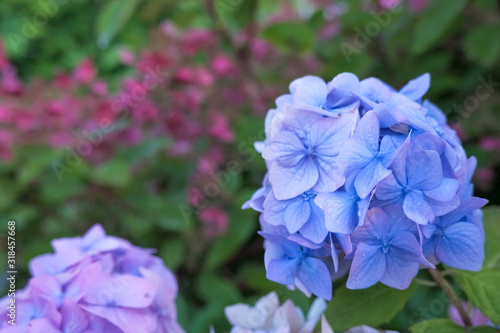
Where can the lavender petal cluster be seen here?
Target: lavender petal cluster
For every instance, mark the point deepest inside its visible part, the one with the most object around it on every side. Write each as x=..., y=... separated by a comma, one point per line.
x=364, y=180
x=95, y=284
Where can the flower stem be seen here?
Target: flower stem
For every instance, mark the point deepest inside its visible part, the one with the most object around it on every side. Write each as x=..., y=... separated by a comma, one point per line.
x=444, y=285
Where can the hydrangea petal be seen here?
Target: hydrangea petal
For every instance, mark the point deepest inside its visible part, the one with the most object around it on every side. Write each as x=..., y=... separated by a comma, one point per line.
x=368, y=266
x=462, y=247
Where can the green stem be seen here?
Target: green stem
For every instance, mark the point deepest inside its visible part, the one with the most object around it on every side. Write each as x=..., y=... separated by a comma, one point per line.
x=444, y=285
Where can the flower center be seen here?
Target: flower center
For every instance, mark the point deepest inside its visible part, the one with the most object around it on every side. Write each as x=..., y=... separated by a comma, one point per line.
x=307, y=195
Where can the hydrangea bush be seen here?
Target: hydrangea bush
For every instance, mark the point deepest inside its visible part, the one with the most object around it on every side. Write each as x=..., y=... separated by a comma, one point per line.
x=95, y=283
x=364, y=179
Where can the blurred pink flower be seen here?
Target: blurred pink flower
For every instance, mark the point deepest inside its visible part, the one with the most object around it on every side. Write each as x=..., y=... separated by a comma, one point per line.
x=85, y=72
x=222, y=65
x=215, y=221
x=220, y=127
x=389, y=4
x=490, y=143
x=418, y=5
x=100, y=88
x=126, y=56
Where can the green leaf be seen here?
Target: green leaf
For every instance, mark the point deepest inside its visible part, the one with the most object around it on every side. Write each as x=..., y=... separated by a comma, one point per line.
x=373, y=306
x=491, y=221
x=437, y=325
x=482, y=44
x=112, y=18
x=115, y=173
x=215, y=289
x=432, y=25
x=37, y=162
x=173, y=253
x=483, y=290
x=290, y=36
x=242, y=227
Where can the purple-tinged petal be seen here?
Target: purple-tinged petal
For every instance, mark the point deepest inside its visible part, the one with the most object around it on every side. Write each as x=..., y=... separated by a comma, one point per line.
x=74, y=319
x=345, y=242
x=130, y=320
x=389, y=189
x=353, y=156
x=405, y=246
x=328, y=134
x=330, y=178
x=286, y=149
x=445, y=191
x=369, y=177
x=368, y=266
x=314, y=274
x=467, y=206
x=399, y=165
x=424, y=170
x=441, y=208
x=417, y=209
x=282, y=270
x=399, y=272
x=461, y=246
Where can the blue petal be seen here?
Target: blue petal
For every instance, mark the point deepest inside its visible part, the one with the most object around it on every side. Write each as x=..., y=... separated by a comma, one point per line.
x=296, y=214
x=314, y=229
x=309, y=90
x=417, y=209
x=286, y=149
x=290, y=182
x=417, y=88
x=274, y=210
x=328, y=134
x=340, y=211
x=315, y=276
x=375, y=90
x=461, y=246
x=405, y=246
x=283, y=270
x=389, y=189
x=445, y=191
x=353, y=156
x=424, y=170
x=370, y=176
x=399, y=272
x=330, y=178
x=368, y=266
x=467, y=206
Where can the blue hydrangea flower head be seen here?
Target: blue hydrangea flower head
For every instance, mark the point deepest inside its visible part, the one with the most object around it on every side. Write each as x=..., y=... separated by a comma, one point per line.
x=364, y=180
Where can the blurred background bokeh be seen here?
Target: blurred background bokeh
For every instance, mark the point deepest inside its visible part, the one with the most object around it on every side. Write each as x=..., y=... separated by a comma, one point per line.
x=141, y=115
